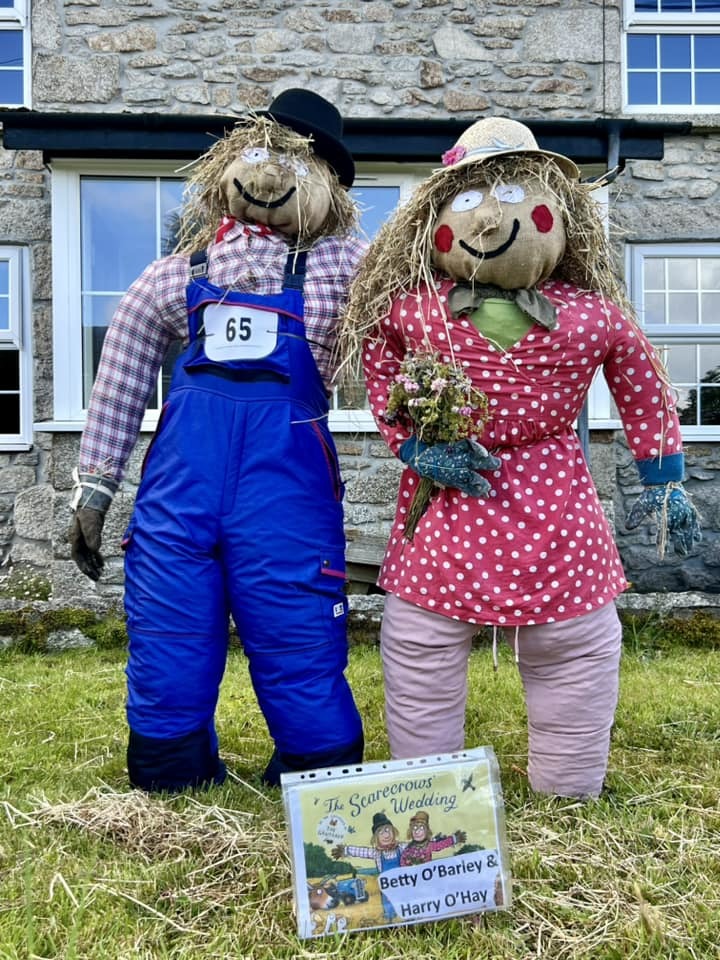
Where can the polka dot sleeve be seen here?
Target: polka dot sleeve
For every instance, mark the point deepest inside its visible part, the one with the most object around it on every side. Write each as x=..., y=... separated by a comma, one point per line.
x=639, y=386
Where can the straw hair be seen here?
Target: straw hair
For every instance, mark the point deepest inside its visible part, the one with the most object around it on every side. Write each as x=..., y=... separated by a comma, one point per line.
x=205, y=204
x=399, y=259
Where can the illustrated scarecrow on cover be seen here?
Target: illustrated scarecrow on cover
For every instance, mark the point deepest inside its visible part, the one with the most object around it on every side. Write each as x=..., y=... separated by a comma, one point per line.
x=482, y=312
x=239, y=510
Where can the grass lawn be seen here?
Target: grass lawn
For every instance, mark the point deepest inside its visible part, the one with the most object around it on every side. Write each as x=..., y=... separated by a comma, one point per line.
x=90, y=869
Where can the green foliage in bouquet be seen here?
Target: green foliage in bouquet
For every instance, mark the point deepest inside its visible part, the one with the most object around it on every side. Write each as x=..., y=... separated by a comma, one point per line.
x=439, y=404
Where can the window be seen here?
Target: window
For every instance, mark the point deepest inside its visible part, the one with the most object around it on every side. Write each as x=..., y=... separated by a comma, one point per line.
x=378, y=191
x=15, y=369
x=672, y=56
x=14, y=53
x=676, y=291
x=107, y=228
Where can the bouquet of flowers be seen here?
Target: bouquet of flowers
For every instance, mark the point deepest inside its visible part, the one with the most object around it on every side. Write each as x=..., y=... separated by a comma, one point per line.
x=439, y=404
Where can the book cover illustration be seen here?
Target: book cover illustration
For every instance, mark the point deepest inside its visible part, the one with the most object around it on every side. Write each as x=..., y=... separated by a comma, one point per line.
x=404, y=841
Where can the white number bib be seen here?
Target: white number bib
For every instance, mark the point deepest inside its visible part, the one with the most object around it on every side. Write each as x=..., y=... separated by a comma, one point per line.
x=238, y=332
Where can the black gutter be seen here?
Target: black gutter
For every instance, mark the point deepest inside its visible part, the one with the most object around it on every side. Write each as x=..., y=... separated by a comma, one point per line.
x=177, y=136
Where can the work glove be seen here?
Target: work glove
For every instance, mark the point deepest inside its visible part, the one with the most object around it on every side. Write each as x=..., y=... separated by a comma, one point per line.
x=676, y=517
x=92, y=496
x=451, y=464
x=664, y=496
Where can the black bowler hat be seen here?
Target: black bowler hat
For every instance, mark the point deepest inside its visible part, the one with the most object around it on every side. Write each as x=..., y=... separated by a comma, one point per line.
x=380, y=820
x=308, y=113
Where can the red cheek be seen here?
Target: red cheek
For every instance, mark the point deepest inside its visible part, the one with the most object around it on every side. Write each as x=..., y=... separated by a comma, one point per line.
x=542, y=218
x=444, y=238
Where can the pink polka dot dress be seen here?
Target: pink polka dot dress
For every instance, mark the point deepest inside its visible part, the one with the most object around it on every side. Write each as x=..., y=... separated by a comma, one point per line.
x=539, y=549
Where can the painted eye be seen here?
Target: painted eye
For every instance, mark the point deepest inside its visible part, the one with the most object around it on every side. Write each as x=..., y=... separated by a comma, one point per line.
x=467, y=201
x=255, y=155
x=509, y=193
x=294, y=164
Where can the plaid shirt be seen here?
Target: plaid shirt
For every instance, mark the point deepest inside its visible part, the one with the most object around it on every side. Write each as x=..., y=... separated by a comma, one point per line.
x=153, y=313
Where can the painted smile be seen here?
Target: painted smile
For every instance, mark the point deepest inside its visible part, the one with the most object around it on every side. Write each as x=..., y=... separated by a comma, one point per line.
x=266, y=204
x=489, y=254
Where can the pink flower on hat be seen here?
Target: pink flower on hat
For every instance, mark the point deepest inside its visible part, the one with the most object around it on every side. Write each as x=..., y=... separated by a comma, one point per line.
x=452, y=155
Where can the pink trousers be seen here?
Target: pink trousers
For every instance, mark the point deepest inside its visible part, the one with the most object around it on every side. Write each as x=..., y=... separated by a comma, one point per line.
x=569, y=672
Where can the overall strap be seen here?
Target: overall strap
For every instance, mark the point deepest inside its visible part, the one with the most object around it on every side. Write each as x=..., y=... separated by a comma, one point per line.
x=198, y=265
x=295, y=270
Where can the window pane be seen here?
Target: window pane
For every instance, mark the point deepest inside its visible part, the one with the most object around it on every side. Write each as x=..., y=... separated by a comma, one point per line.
x=9, y=370
x=707, y=88
x=710, y=363
x=646, y=6
x=682, y=308
x=7, y=3
x=118, y=231
x=642, y=88
x=710, y=307
x=709, y=406
x=675, y=6
x=4, y=277
x=707, y=6
x=352, y=396
x=710, y=273
x=681, y=363
x=682, y=273
x=654, y=273
x=654, y=308
x=675, y=88
x=687, y=407
x=171, y=195
x=97, y=313
x=641, y=52
x=376, y=204
x=9, y=413
x=11, y=87
x=11, y=48
x=707, y=52
x=675, y=52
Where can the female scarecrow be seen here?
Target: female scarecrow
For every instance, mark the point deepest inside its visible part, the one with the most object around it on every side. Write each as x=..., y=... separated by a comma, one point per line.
x=422, y=846
x=499, y=267
x=240, y=506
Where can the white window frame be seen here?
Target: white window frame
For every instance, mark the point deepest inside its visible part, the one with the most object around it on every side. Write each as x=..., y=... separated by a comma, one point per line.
x=69, y=411
x=664, y=24
x=17, y=17
x=18, y=338
x=677, y=333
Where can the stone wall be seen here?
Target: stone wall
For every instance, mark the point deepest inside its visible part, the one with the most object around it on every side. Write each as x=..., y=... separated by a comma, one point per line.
x=374, y=58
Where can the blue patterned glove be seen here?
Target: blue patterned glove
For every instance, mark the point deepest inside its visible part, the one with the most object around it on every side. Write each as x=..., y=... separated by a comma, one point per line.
x=451, y=464
x=676, y=517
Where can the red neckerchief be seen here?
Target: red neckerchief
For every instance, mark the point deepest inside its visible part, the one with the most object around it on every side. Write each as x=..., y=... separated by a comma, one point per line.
x=249, y=229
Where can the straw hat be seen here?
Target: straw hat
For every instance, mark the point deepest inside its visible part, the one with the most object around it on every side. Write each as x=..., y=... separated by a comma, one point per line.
x=499, y=137
x=420, y=817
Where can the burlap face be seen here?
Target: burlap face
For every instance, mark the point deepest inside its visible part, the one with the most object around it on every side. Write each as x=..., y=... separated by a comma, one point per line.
x=291, y=193
x=510, y=235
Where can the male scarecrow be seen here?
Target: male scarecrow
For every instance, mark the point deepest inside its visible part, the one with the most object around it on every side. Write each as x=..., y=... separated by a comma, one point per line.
x=239, y=510
x=499, y=267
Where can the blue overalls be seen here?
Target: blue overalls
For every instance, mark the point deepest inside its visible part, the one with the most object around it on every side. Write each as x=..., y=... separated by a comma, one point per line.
x=239, y=512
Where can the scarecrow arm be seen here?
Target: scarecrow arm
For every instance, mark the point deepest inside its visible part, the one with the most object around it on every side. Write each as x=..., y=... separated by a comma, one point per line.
x=451, y=464
x=92, y=496
x=134, y=348
x=645, y=400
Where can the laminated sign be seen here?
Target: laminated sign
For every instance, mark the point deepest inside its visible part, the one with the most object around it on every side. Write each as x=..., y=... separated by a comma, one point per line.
x=384, y=844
